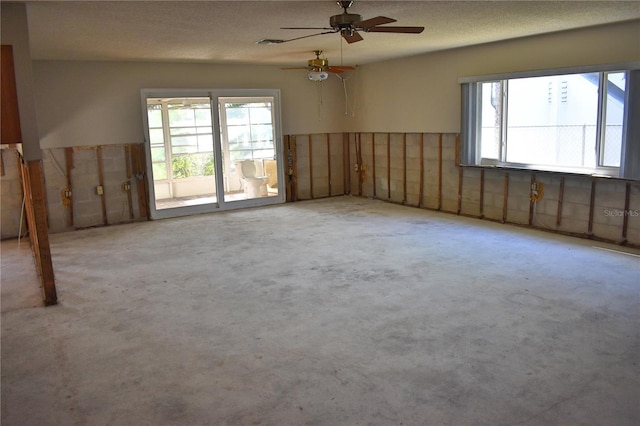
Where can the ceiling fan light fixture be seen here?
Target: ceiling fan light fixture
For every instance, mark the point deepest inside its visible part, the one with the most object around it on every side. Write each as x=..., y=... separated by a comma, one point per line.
x=318, y=75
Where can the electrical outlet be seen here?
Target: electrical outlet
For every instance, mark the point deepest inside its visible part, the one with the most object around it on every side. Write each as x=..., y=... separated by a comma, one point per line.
x=537, y=191
x=126, y=187
x=66, y=196
x=100, y=190
x=355, y=168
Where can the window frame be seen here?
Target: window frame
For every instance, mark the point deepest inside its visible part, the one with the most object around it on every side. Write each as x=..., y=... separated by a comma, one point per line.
x=471, y=120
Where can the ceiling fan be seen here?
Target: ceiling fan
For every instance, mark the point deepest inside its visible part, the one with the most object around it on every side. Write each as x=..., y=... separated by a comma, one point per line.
x=319, y=68
x=348, y=25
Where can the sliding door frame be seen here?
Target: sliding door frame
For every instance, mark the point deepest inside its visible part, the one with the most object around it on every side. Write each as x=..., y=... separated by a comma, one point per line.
x=214, y=95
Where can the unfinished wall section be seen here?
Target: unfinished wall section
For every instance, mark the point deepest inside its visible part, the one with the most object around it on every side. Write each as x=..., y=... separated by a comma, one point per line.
x=319, y=166
x=94, y=186
x=12, y=219
x=422, y=170
x=415, y=169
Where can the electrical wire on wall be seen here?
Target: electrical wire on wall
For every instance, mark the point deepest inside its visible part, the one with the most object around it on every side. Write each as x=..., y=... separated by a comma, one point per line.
x=346, y=96
x=537, y=192
x=319, y=85
x=344, y=79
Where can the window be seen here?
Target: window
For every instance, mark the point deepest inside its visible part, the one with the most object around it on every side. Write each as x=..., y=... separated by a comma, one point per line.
x=249, y=128
x=180, y=137
x=569, y=122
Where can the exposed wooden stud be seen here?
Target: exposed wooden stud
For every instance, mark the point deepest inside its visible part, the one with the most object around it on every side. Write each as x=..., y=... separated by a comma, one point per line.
x=346, y=162
x=421, y=183
x=286, y=141
x=440, y=171
x=137, y=154
x=531, y=201
x=68, y=160
x=310, y=166
x=373, y=162
x=293, y=144
x=361, y=165
x=103, y=199
x=33, y=181
x=592, y=202
x=127, y=162
x=460, y=177
x=506, y=197
x=560, y=201
x=404, y=168
x=481, y=193
x=329, y=162
x=625, y=220
x=389, y=165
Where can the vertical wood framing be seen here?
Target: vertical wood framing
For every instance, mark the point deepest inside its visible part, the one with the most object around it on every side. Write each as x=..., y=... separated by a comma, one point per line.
x=625, y=221
x=137, y=154
x=103, y=200
x=421, y=183
x=68, y=159
x=460, y=173
x=460, y=176
x=560, y=201
x=294, y=168
x=329, y=163
x=10, y=131
x=346, y=152
x=310, y=166
x=359, y=161
x=440, y=171
x=288, y=169
x=35, y=196
x=404, y=168
x=592, y=202
x=481, y=194
x=531, y=201
x=389, y=166
x=505, y=201
x=127, y=162
x=373, y=162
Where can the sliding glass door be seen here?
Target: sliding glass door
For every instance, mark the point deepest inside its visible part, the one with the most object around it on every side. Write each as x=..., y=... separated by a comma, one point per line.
x=212, y=151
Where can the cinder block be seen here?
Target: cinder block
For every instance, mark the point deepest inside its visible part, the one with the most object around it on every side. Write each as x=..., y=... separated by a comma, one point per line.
x=413, y=176
x=397, y=162
x=544, y=221
x=575, y=210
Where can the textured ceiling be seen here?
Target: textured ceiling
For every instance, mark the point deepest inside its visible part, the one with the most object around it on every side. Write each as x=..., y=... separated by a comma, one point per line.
x=227, y=31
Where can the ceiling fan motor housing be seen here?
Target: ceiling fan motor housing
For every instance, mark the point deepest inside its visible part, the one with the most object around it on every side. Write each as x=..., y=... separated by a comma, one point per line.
x=318, y=63
x=344, y=20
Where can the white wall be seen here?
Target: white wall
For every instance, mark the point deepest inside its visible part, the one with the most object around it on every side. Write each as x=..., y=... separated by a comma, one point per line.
x=98, y=103
x=422, y=94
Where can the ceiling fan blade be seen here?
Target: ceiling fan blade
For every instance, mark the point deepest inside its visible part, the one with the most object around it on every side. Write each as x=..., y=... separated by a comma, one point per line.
x=378, y=20
x=298, y=38
x=340, y=68
x=351, y=37
x=305, y=28
x=404, y=30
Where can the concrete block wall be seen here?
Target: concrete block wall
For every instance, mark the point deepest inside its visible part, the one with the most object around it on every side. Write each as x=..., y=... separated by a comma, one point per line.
x=87, y=204
x=11, y=196
x=325, y=166
x=392, y=173
x=320, y=165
